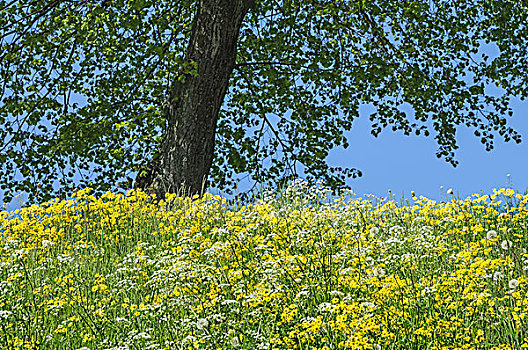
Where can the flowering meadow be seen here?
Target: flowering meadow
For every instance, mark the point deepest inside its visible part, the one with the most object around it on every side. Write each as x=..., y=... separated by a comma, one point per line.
x=295, y=269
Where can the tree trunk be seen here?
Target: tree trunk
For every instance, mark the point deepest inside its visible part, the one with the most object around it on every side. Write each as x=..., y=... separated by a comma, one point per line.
x=191, y=111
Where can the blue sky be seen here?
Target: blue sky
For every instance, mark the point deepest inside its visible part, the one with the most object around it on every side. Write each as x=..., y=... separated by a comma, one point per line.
x=408, y=163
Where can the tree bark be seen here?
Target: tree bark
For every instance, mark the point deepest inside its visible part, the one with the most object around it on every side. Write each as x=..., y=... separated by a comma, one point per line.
x=191, y=111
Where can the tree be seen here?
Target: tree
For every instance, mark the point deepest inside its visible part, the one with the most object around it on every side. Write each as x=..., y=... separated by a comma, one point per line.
x=182, y=91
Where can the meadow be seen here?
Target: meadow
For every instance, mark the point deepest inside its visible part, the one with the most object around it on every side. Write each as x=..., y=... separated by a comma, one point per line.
x=294, y=269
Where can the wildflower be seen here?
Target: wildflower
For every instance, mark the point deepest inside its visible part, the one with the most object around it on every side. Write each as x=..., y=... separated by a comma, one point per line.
x=141, y=335
x=450, y=191
x=497, y=276
x=202, y=323
x=302, y=293
x=378, y=272
x=491, y=234
x=374, y=230
x=368, y=304
x=326, y=307
x=4, y=314
x=336, y=292
x=396, y=229
x=428, y=290
x=506, y=245
x=513, y=284
x=235, y=342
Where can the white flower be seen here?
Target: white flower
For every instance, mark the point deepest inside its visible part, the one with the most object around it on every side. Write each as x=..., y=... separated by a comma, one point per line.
x=378, y=272
x=202, y=323
x=4, y=314
x=235, y=342
x=124, y=347
x=491, y=234
x=497, y=276
x=368, y=304
x=428, y=290
x=142, y=335
x=302, y=293
x=374, y=230
x=398, y=229
x=506, y=244
x=336, y=293
x=513, y=284
x=84, y=348
x=325, y=307
x=450, y=191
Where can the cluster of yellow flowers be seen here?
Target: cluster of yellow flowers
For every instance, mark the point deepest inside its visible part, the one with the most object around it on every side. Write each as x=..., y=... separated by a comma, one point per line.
x=289, y=271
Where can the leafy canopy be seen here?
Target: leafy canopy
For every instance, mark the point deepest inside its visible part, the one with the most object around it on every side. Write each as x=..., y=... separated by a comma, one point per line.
x=83, y=84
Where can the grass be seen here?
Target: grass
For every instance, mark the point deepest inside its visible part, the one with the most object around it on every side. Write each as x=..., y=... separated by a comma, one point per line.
x=294, y=270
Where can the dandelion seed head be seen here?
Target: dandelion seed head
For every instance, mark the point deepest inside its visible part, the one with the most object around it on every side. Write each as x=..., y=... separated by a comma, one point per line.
x=202, y=323
x=497, y=276
x=506, y=245
x=491, y=234
x=235, y=342
x=513, y=284
x=378, y=272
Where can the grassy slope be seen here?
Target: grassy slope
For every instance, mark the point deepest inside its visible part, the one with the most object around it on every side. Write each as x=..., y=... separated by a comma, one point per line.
x=288, y=272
